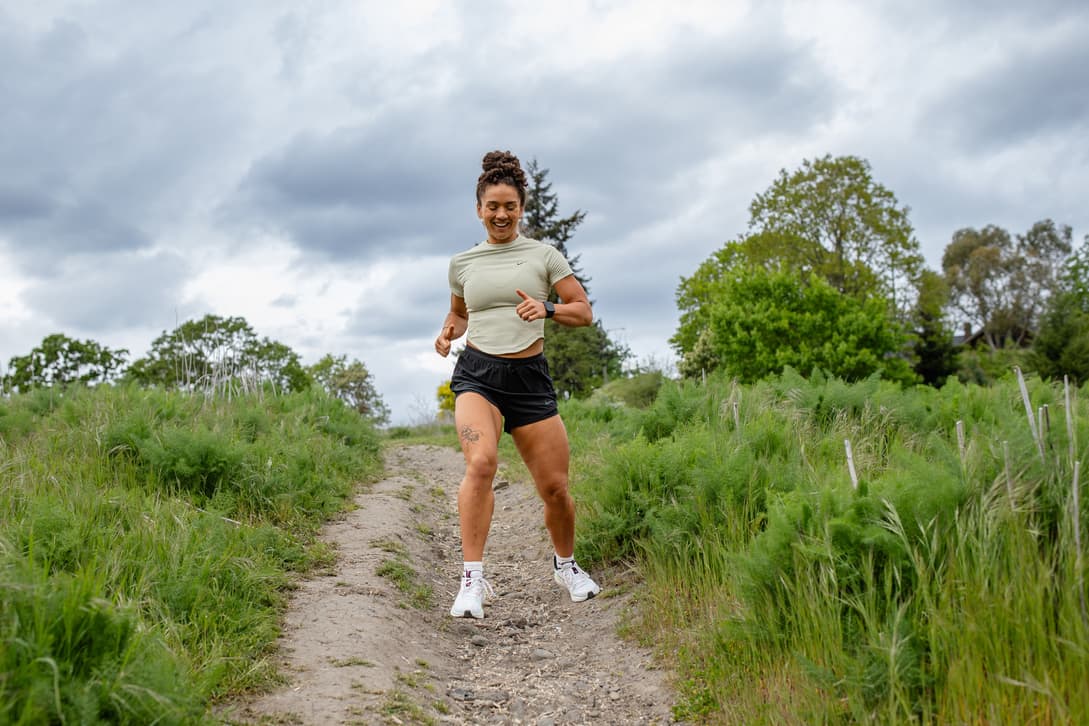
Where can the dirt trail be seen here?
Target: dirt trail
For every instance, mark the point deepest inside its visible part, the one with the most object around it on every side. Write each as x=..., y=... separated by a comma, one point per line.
x=359, y=649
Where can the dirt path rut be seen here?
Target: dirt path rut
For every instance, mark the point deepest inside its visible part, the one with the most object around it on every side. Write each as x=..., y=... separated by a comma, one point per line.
x=371, y=642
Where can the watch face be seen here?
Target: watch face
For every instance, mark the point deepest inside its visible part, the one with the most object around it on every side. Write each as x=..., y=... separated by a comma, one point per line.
x=550, y=309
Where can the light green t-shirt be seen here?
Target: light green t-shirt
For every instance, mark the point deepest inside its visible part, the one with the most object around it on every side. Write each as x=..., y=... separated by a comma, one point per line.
x=486, y=277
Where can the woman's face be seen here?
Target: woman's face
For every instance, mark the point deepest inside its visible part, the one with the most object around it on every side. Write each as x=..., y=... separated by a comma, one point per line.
x=500, y=210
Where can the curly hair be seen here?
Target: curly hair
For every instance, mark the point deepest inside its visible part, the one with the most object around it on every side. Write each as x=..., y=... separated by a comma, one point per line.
x=501, y=167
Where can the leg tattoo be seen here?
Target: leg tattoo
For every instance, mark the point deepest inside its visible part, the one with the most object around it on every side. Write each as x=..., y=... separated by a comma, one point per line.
x=469, y=435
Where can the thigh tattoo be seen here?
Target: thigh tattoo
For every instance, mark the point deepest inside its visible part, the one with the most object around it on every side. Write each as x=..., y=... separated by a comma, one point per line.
x=469, y=435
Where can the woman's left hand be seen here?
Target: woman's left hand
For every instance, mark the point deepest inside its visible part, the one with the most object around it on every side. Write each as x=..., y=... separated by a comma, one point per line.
x=529, y=309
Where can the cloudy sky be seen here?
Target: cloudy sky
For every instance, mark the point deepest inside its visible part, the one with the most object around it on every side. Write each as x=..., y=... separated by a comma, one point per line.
x=310, y=165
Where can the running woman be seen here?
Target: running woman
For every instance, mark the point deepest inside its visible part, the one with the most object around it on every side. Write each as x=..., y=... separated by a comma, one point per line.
x=499, y=292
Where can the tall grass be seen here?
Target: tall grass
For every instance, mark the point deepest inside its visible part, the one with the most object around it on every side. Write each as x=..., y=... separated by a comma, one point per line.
x=945, y=587
x=145, y=542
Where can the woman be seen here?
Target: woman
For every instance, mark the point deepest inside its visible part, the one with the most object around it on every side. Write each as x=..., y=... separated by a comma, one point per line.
x=499, y=296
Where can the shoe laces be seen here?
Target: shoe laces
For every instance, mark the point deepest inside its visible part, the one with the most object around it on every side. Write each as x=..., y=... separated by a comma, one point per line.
x=572, y=572
x=478, y=584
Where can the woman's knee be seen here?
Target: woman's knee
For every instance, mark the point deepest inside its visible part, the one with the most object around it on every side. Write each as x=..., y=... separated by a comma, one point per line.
x=554, y=492
x=481, y=465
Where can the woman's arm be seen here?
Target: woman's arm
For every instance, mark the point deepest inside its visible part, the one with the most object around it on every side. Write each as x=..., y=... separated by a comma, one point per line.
x=574, y=311
x=454, y=326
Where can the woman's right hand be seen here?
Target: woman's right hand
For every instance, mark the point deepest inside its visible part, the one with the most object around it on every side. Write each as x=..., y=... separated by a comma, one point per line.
x=442, y=343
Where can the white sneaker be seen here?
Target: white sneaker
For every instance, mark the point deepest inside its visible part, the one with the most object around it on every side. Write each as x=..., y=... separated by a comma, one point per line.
x=470, y=600
x=578, y=583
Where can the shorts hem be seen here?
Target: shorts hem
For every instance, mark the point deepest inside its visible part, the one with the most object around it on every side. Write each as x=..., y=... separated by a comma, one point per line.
x=480, y=392
x=532, y=420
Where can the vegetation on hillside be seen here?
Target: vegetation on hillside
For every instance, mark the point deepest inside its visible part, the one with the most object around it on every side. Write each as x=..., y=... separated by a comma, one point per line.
x=944, y=585
x=146, y=541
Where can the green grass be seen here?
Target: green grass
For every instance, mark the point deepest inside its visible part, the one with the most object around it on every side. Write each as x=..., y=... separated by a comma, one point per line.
x=783, y=594
x=400, y=705
x=147, y=539
x=435, y=434
x=401, y=574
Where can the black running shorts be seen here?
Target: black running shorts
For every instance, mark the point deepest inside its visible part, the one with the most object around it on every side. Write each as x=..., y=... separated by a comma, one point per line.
x=520, y=388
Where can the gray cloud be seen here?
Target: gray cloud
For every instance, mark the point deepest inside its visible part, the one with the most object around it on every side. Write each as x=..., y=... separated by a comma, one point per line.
x=100, y=144
x=413, y=305
x=1041, y=91
x=103, y=292
x=285, y=301
x=974, y=17
x=358, y=191
x=20, y=205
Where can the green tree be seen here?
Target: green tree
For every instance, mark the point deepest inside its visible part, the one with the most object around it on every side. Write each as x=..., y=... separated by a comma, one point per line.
x=61, y=361
x=1075, y=278
x=352, y=383
x=832, y=218
x=1001, y=284
x=1061, y=346
x=542, y=221
x=935, y=354
x=580, y=359
x=828, y=218
x=763, y=321
x=273, y=361
x=199, y=352
x=695, y=295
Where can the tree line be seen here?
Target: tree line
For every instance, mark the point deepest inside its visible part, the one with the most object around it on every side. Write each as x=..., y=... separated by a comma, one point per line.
x=829, y=276
x=209, y=354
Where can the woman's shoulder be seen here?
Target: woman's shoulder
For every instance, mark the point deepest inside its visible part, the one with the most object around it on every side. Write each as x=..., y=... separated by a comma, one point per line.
x=528, y=243
x=470, y=252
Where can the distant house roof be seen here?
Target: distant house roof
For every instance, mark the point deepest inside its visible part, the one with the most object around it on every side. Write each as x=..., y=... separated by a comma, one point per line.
x=972, y=339
x=968, y=338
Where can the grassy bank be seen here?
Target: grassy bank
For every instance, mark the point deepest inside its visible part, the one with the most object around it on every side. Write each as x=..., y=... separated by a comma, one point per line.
x=146, y=540
x=945, y=586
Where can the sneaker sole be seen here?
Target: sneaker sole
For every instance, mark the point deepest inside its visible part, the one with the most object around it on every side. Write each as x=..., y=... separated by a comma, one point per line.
x=466, y=614
x=584, y=598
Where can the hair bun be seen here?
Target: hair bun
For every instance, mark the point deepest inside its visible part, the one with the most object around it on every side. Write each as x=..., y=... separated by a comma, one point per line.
x=502, y=167
x=499, y=160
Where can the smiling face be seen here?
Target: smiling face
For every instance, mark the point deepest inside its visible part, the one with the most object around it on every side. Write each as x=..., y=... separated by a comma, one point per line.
x=500, y=209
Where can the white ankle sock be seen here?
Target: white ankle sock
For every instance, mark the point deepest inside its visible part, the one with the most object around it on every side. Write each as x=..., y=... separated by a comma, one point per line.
x=558, y=562
x=474, y=567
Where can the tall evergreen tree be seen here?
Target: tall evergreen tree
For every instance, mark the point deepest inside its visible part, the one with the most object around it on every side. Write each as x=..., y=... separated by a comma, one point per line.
x=580, y=359
x=542, y=221
x=935, y=354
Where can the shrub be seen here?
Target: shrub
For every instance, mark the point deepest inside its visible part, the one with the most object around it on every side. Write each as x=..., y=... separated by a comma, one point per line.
x=72, y=656
x=146, y=541
x=920, y=595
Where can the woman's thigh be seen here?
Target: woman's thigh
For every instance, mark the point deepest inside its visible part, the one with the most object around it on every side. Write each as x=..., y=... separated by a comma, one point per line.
x=544, y=448
x=479, y=426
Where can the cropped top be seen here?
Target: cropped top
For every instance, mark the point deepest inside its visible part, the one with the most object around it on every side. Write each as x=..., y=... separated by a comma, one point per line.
x=486, y=276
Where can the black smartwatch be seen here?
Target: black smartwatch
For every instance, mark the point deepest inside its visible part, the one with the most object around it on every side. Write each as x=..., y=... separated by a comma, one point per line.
x=550, y=309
